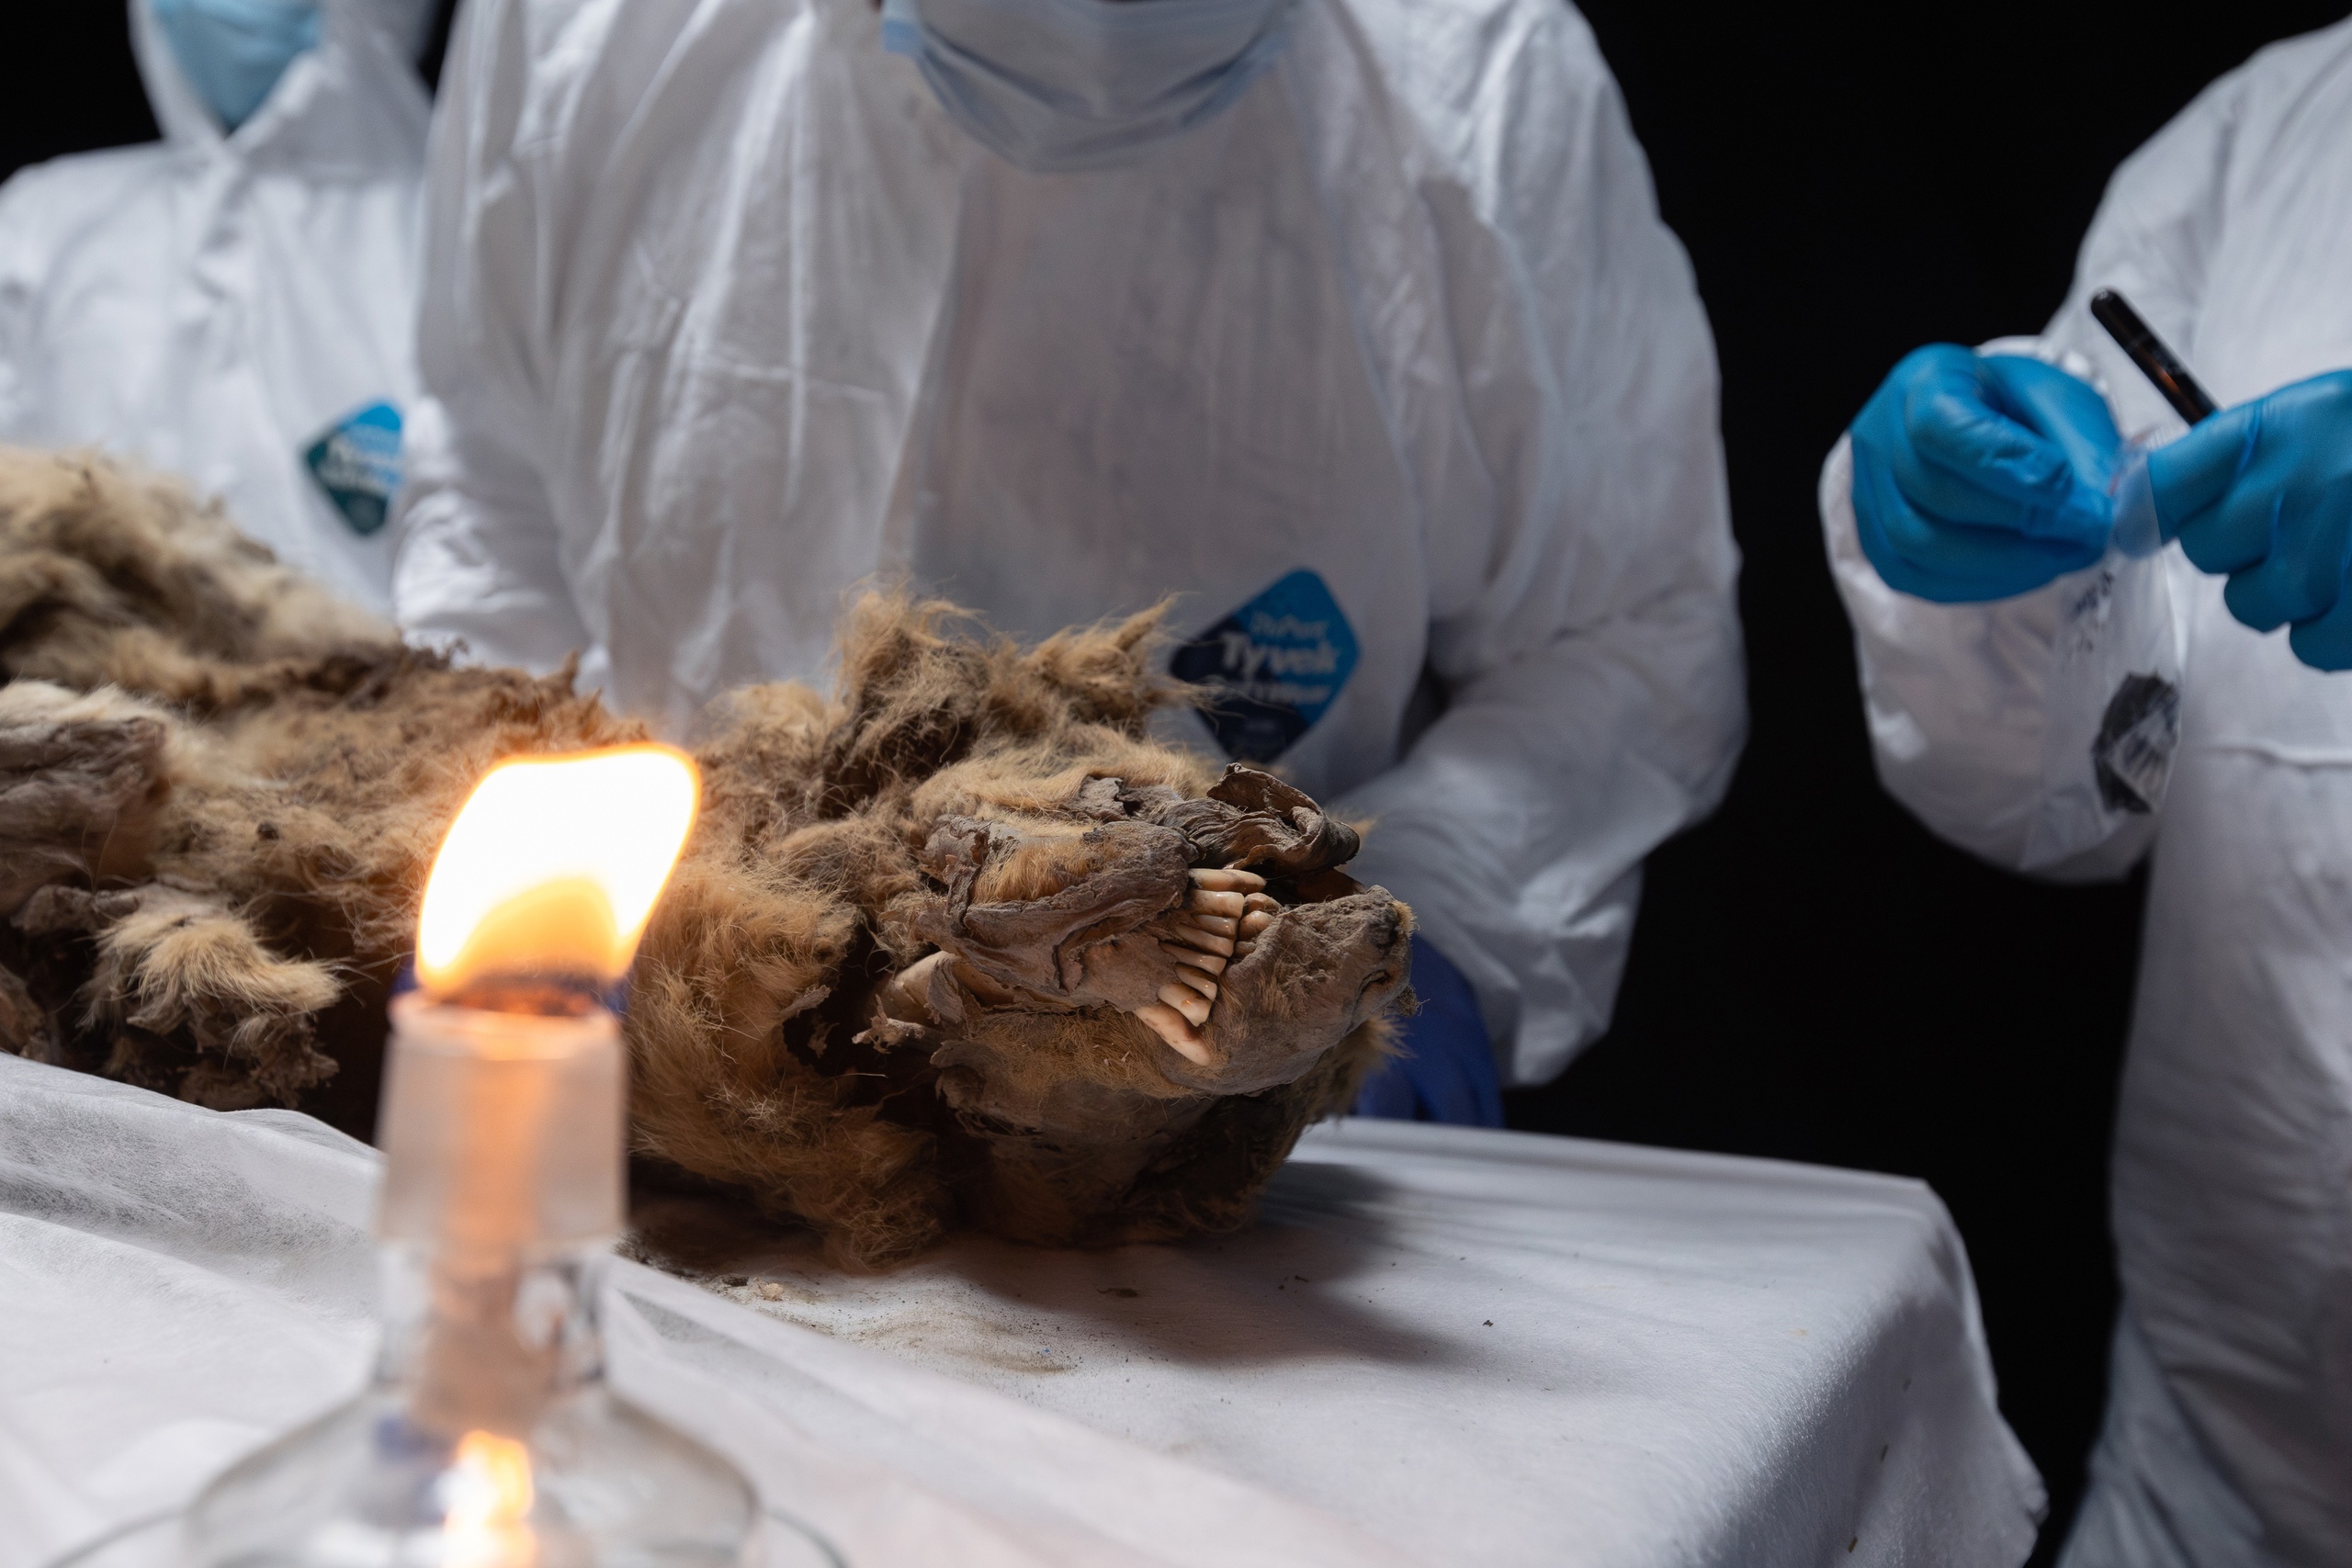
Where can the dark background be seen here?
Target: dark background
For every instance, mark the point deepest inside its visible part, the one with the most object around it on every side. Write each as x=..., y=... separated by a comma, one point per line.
x=1814, y=978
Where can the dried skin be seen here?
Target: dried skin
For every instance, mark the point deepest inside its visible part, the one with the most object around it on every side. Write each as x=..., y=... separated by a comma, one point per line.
x=959, y=945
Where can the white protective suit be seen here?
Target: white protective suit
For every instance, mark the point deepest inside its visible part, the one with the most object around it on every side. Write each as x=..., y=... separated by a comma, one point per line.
x=240, y=308
x=2229, y=1429
x=1389, y=367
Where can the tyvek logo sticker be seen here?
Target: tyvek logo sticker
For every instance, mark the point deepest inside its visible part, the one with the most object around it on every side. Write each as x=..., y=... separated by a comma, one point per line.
x=1275, y=665
x=358, y=462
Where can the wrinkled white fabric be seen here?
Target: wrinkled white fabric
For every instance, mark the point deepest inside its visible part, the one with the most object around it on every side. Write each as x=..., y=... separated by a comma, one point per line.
x=1439, y=1346
x=184, y=1285
x=216, y=305
x=724, y=315
x=2229, y=1434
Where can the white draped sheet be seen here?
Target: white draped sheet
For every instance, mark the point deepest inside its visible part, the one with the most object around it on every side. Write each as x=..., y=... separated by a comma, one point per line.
x=1438, y=1345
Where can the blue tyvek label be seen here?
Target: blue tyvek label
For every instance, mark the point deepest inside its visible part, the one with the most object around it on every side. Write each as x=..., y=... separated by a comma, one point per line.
x=1274, y=666
x=357, y=464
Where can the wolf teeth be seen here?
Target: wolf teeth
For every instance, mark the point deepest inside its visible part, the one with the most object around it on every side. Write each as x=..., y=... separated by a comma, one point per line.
x=1207, y=941
x=1194, y=1006
x=1172, y=1026
x=1201, y=983
x=1209, y=961
x=1204, y=902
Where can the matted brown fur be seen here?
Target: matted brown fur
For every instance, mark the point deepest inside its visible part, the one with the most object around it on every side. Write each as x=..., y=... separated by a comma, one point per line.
x=886, y=994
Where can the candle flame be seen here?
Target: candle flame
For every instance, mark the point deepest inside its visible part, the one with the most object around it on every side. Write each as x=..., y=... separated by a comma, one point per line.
x=489, y=1494
x=553, y=866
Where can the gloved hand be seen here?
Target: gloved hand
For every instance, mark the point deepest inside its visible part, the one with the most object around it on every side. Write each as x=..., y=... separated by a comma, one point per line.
x=1448, y=1071
x=1981, y=475
x=2263, y=492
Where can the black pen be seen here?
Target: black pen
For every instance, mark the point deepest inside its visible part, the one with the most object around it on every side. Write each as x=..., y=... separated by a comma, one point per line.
x=2159, y=363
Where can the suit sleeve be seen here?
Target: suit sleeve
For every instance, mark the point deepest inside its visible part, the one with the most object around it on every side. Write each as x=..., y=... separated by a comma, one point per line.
x=21, y=276
x=1585, y=630
x=479, y=561
x=1961, y=698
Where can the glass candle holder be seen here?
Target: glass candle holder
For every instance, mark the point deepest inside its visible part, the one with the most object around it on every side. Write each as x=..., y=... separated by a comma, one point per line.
x=488, y=1436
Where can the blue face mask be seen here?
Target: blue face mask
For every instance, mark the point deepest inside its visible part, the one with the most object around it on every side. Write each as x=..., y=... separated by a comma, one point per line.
x=1058, y=85
x=234, y=51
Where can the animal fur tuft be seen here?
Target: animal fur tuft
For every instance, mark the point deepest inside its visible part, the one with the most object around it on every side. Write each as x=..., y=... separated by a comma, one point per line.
x=888, y=992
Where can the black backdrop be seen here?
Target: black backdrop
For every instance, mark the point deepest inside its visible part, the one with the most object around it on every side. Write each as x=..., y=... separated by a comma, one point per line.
x=1814, y=977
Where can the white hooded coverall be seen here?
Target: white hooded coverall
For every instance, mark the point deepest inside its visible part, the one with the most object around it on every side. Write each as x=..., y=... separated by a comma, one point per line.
x=1389, y=367
x=239, y=310
x=2228, y=1437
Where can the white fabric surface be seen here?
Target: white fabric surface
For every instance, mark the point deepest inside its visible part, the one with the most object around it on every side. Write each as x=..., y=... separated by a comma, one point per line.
x=2229, y=1432
x=723, y=315
x=1439, y=1346
x=212, y=305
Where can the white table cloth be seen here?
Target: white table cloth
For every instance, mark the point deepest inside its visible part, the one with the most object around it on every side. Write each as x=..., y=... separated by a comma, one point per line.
x=1437, y=1347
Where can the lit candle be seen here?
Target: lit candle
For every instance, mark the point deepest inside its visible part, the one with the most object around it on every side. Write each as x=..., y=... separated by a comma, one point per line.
x=504, y=1102
x=504, y=1127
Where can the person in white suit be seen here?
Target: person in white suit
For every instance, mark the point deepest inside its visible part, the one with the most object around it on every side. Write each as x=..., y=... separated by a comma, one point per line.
x=1350, y=323
x=237, y=303
x=1967, y=518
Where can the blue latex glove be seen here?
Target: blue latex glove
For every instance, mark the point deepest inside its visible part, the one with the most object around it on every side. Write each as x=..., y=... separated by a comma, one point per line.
x=2263, y=492
x=1981, y=475
x=1448, y=1071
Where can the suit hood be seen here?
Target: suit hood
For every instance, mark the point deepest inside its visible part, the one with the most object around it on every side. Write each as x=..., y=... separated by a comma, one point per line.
x=370, y=35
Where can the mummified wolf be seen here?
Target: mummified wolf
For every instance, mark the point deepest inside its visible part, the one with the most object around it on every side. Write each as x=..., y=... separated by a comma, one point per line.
x=960, y=946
